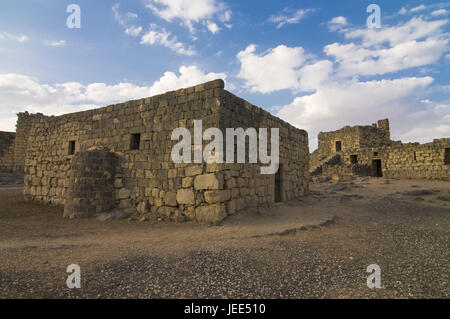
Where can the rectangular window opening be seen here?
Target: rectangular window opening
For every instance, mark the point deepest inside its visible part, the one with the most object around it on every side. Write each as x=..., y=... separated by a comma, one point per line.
x=71, y=150
x=353, y=159
x=135, y=141
x=338, y=146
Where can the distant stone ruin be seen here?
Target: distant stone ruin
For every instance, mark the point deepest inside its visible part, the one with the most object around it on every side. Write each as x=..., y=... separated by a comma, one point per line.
x=119, y=157
x=369, y=151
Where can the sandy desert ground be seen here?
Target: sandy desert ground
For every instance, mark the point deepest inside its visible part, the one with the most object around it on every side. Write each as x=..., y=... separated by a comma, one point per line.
x=318, y=247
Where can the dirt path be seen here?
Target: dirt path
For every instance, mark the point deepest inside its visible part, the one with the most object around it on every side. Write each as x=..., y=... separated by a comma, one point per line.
x=402, y=226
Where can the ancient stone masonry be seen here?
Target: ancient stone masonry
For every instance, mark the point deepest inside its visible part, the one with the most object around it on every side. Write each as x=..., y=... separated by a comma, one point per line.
x=119, y=157
x=368, y=151
x=7, y=151
x=13, y=145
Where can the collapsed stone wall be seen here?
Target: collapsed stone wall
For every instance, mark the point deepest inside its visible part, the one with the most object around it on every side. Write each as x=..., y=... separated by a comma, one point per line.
x=351, y=138
x=91, y=184
x=146, y=179
x=410, y=160
x=7, y=151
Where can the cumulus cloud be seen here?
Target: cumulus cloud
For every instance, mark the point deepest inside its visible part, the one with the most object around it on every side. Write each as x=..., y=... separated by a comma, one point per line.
x=273, y=70
x=337, y=23
x=415, y=43
x=335, y=104
x=289, y=18
x=334, y=95
x=190, y=12
x=212, y=27
x=133, y=31
x=159, y=36
x=23, y=93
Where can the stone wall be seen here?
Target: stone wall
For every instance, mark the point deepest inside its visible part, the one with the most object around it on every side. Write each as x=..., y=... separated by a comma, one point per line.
x=91, y=183
x=351, y=138
x=410, y=160
x=7, y=151
x=146, y=179
x=23, y=128
x=13, y=146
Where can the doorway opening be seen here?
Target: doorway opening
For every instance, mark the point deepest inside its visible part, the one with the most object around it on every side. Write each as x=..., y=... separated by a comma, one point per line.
x=376, y=168
x=278, y=182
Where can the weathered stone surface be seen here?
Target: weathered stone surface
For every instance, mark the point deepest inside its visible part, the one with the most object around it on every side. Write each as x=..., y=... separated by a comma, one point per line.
x=187, y=182
x=186, y=197
x=194, y=170
x=124, y=193
x=143, y=207
x=208, y=181
x=369, y=151
x=211, y=213
x=217, y=196
x=170, y=199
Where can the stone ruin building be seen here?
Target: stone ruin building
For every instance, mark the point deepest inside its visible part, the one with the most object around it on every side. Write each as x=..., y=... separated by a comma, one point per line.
x=369, y=151
x=119, y=158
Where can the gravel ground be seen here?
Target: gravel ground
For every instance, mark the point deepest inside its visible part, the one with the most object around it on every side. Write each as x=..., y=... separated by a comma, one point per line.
x=376, y=223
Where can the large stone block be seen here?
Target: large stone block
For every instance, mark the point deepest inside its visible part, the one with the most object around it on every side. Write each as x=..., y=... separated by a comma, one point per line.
x=208, y=181
x=211, y=213
x=186, y=197
x=194, y=170
x=170, y=199
x=217, y=196
x=124, y=193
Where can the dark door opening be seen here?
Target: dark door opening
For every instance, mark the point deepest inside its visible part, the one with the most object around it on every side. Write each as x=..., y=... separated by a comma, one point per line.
x=338, y=146
x=376, y=168
x=278, y=197
x=447, y=156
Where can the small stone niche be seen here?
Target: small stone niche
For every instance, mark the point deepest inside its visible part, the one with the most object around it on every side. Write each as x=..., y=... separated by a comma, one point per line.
x=91, y=184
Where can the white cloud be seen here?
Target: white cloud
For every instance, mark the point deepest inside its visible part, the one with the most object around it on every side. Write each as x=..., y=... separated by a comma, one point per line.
x=133, y=31
x=225, y=16
x=212, y=27
x=405, y=10
x=439, y=12
x=337, y=23
x=159, y=36
x=337, y=97
x=14, y=37
x=335, y=104
x=190, y=12
x=285, y=18
x=418, y=8
x=22, y=93
x=125, y=21
x=415, y=43
x=59, y=43
x=274, y=70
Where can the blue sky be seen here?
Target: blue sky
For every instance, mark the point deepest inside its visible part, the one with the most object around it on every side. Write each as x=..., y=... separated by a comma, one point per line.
x=316, y=64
